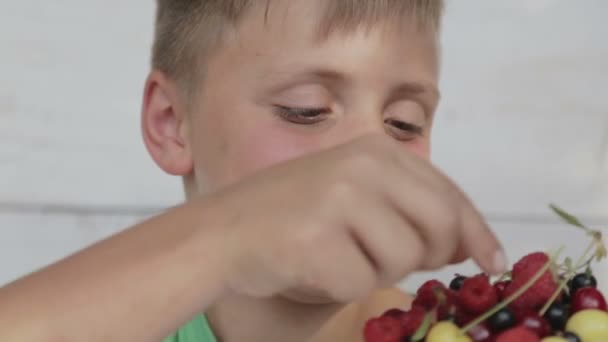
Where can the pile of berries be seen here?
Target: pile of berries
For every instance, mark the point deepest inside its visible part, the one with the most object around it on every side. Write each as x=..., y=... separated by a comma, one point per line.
x=539, y=300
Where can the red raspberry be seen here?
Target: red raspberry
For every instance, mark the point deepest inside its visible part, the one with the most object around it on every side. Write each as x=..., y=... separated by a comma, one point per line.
x=536, y=296
x=477, y=295
x=531, y=261
x=411, y=321
x=518, y=334
x=397, y=313
x=383, y=329
x=426, y=297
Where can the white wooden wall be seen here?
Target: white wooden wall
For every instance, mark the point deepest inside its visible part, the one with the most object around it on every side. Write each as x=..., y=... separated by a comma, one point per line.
x=524, y=122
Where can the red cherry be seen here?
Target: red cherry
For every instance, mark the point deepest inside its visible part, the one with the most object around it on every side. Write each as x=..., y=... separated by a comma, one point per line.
x=500, y=287
x=481, y=333
x=537, y=324
x=447, y=308
x=383, y=329
x=588, y=298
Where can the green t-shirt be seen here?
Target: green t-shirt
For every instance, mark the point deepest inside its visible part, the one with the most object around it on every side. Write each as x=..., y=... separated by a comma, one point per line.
x=198, y=330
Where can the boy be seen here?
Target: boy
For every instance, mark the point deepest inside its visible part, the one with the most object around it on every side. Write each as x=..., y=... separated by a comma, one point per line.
x=301, y=129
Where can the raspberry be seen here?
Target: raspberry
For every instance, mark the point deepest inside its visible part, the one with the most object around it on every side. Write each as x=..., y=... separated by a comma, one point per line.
x=537, y=295
x=411, y=321
x=426, y=297
x=477, y=295
x=518, y=334
x=397, y=313
x=531, y=261
x=383, y=329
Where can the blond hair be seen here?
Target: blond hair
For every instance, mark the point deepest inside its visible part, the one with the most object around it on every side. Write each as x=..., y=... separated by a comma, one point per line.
x=188, y=30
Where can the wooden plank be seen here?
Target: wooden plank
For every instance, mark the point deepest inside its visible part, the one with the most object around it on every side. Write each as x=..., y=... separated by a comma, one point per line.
x=521, y=122
x=30, y=241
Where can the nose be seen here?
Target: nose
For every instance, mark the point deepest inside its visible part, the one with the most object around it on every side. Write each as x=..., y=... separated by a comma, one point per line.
x=357, y=125
x=354, y=126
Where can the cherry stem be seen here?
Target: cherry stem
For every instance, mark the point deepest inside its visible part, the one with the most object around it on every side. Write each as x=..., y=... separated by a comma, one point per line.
x=515, y=295
x=579, y=263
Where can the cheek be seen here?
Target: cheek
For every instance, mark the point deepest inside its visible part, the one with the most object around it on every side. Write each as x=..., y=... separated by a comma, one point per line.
x=421, y=148
x=267, y=146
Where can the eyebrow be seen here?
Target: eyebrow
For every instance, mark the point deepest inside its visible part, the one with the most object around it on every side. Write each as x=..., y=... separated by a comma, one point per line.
x=404, y=89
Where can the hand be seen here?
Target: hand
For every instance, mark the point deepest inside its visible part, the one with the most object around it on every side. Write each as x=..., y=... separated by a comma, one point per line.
x=342, y=222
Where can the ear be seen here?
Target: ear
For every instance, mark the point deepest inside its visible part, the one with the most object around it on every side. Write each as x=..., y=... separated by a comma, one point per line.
x=164, y=125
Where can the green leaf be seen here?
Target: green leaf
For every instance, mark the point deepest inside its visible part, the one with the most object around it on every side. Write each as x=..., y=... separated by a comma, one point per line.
x=567, y=217
x=424, y=327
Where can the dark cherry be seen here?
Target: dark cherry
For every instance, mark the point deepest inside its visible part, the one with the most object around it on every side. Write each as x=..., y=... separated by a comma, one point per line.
x=557, y=315
x=571, y=337
x=539, y=325
x=580, y=281
x=480, y=333
x=500, y=287
x=588, y=298
x=502, y=320
x=565, y=298
x=457, y=282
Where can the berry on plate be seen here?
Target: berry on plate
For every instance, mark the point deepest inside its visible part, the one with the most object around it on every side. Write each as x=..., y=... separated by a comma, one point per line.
x=426, y=296
x=518, y=334
x=557, y=315
x=589, y=325
x=383, y=329
x=588, y=298
x=477, y=295
x=502, y=320
x=456, y=283
x=446, y=332
x=537, y=324
x=582, y=280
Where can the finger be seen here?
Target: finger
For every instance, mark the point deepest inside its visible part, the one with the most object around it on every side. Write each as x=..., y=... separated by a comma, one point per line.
x=480, y=242
x=391, y=243
x=477, y=240
x=429, y=211
x=347, y=273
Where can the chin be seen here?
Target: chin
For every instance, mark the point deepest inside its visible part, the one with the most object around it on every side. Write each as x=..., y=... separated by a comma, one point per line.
x=308, y=297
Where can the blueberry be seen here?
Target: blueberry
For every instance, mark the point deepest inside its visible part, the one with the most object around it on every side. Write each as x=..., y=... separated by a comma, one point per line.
x=571, y=337
x=502, y=320
x=557, y=315
x=457, y=282
x=580, y=281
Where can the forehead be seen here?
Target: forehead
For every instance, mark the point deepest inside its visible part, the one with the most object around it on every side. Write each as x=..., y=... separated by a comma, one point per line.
x=345, y=16
x=288, y=34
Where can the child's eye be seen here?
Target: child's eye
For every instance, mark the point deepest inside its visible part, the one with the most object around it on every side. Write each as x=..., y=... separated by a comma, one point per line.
x=402, y=130
x=303, y=116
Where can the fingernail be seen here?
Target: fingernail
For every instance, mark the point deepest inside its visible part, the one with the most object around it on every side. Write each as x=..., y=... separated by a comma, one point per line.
x=500, y=262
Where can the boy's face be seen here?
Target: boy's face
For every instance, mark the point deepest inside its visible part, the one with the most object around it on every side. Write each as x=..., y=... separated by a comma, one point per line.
x=275, y=91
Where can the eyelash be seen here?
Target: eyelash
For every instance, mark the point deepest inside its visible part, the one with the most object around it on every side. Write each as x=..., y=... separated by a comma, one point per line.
x=405, y=126
x=311, y=116
x=303, y=116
